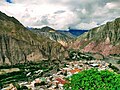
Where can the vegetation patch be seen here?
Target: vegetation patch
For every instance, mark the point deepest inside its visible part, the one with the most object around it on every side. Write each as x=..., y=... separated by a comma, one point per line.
x=118, y=62
x=113, y=67
x=94, y=80
x=77, y=55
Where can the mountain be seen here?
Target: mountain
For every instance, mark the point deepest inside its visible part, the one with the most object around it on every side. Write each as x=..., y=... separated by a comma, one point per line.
x=77, y=32
x=104, y=39
x=73, y=32
x=20, y=45
x=53, y=34
x=66, y=33
x=44, y=29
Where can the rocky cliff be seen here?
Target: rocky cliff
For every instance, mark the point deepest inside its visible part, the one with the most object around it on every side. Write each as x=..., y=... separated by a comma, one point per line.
x=19, y=45
x=54, y=35
x=104, y=39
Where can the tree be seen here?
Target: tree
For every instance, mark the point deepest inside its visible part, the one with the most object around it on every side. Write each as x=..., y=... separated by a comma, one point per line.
x=94, y=80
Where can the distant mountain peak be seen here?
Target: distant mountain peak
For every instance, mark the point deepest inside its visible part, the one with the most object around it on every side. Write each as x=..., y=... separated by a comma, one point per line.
x=44, y=29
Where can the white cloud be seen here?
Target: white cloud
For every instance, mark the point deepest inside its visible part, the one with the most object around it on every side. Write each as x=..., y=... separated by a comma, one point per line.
x=61, y=14
x=84, y=11
x=111, y=5
x=87, y=25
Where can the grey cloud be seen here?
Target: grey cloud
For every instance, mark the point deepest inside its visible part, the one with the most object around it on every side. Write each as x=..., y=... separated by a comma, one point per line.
x=76, y=6
x=59, y=12
x=91, y=7
x=42, y=21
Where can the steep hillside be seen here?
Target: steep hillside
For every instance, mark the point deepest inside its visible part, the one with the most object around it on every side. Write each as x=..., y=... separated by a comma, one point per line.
x=104, y=39
x=19, y=45
x=54, y=35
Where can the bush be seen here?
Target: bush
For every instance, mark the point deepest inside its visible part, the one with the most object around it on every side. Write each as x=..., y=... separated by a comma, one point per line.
x=77, y=55
x=117, y=55
x=94, y=80
x=113, y=67
x=118, y=62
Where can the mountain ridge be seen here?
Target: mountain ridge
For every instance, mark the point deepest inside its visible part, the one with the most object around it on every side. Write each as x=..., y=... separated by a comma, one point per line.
x=19, y=45
x=74, y=32
x=53, y=35
x=104, y=39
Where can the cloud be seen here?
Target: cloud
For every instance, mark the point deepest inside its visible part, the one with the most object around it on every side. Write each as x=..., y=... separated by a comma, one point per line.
x=61, y=14
x=87, y=25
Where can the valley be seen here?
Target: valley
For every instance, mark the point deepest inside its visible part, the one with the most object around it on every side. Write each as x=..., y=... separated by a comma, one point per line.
x=39, y=73
x=45, y=59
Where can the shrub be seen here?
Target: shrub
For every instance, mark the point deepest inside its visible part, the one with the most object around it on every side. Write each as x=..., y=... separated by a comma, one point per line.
x=94, y=80
x=118, y=62
x=113, y=67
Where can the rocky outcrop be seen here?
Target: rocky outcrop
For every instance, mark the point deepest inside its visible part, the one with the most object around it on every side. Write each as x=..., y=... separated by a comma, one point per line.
x=104, y=39
x=19, y=45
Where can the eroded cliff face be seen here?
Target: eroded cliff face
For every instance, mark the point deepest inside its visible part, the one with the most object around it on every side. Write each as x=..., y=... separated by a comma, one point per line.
x=54, y=35
x=19, y=45
x=104, y=39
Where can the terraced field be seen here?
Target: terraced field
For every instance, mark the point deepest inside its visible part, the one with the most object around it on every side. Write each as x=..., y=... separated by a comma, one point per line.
x=25, y=72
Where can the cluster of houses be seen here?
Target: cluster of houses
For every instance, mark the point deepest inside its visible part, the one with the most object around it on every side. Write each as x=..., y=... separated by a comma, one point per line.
x=57, y=80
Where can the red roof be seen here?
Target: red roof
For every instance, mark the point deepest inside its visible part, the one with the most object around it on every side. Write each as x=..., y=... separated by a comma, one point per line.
x=75, y=70
x=61, y=81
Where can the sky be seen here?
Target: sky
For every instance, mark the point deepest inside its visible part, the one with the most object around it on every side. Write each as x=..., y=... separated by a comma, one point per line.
x=62, y=14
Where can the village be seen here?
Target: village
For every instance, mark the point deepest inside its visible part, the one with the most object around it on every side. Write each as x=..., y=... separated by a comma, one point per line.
x=57, y=80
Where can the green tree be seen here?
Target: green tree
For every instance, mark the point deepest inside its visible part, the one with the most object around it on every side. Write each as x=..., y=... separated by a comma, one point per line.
x=94, y=80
